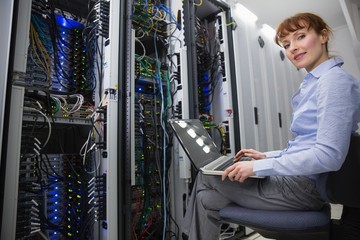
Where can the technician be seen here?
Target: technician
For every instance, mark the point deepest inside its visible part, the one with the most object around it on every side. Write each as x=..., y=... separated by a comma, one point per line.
x=326, y=111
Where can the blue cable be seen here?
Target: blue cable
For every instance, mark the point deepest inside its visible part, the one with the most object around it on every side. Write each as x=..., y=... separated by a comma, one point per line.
x=162, y=6
x=164, y=138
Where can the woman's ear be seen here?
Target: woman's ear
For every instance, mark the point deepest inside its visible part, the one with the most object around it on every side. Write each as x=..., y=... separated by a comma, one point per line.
x=324, y=36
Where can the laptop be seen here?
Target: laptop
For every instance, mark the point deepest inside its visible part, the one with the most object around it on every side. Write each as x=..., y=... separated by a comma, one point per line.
x=200, y=147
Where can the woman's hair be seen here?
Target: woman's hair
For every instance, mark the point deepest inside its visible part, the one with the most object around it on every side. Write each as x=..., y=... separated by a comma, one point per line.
x=299, y=21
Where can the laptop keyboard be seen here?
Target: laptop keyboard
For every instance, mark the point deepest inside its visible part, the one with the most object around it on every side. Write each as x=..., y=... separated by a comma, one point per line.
x=225, y=165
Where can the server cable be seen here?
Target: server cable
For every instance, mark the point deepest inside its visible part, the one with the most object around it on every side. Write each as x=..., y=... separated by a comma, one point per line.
x=47, y=120
x=164, y=137
x=198, y=4
x=143, y=47
x=91, y=42
x=36, y=44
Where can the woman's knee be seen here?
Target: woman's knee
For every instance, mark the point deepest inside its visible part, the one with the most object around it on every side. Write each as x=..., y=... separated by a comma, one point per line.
x=211, y=200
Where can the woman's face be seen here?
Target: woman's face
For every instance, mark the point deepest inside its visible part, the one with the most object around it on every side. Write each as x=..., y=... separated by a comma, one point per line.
x=305, y=48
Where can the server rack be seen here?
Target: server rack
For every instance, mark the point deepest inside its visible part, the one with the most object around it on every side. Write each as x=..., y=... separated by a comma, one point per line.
x=149, y=102
x=164, y=75
x=64, y=121
x=265, y=83
x=212, y=96
x=199, y=15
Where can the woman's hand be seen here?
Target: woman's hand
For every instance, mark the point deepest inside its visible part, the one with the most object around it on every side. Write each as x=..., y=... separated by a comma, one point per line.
x=250, y=153
x=239, y=171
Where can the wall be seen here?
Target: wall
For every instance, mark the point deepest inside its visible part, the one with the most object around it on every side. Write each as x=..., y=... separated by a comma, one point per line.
x=342, y=46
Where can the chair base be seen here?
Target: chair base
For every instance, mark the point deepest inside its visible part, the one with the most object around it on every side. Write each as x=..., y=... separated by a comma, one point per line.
x=318, y=234
x=348, y=227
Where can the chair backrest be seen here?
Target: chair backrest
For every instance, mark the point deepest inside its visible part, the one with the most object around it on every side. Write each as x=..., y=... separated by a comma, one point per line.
x=343, y=186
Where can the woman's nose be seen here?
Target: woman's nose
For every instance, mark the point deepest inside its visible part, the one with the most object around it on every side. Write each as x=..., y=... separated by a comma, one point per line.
x=293, y=48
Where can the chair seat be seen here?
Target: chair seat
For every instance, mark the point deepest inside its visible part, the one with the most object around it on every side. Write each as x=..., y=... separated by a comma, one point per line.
x=295, y=220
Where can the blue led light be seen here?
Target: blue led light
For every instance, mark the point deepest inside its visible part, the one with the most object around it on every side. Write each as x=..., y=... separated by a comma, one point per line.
x=68, y=23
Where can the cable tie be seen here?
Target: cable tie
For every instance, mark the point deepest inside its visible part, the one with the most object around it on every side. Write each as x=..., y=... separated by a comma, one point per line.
x=37, y=140
x=36, y=204
x=36, y=151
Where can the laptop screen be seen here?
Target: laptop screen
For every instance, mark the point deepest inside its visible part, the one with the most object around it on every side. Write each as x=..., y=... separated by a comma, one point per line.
x=196, y=141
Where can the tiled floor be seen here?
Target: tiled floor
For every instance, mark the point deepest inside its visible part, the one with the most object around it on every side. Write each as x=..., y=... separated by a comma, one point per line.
x=335, y=213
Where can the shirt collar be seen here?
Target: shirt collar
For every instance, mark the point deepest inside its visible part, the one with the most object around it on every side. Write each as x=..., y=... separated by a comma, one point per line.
x=328, y=64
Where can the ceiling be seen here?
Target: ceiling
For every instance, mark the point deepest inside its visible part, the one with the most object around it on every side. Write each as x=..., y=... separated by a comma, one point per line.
x=272, y=12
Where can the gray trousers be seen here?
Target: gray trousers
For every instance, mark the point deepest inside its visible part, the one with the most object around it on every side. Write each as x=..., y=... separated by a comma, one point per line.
x=210, y=194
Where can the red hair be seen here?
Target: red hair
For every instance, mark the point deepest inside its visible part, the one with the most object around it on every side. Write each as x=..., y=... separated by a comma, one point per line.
x=300, y=21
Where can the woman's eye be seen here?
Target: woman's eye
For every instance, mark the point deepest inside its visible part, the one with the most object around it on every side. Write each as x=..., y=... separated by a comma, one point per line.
x=301, y=36
x=286, y=46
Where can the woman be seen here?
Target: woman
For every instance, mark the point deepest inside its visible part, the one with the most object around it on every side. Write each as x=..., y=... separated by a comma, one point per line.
x=326, y=110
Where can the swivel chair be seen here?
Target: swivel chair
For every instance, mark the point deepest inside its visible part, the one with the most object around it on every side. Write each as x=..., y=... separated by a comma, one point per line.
x=342, y=187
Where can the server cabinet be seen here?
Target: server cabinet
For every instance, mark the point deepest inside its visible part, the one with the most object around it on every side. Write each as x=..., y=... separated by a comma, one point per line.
x=266, y=81
x=6, y=18
x=64, y=123
x=209, y=46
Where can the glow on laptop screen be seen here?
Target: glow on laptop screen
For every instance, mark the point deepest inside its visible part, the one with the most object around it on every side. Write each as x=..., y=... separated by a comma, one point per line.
x=196, y=141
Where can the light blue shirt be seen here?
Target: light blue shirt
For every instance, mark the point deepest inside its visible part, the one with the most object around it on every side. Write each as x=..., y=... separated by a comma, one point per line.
x=326, y=110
